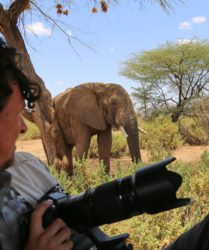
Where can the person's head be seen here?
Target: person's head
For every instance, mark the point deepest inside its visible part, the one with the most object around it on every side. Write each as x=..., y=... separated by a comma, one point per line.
x=16, y=91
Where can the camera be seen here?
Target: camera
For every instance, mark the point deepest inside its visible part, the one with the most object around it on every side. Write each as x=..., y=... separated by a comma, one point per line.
x=151, y=189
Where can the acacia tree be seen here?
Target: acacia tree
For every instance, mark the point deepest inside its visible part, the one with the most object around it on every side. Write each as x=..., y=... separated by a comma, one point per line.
x=142, y=97
x=175, y=74
x=11, y=15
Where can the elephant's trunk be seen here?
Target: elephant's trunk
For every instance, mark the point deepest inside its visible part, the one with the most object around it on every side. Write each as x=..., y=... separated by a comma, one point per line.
x=133, y=139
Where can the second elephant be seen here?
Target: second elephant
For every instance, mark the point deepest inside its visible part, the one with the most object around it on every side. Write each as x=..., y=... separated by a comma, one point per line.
x=94, y=108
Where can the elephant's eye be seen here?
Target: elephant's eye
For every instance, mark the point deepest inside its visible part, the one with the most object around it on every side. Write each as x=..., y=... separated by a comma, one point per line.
x=114, y=102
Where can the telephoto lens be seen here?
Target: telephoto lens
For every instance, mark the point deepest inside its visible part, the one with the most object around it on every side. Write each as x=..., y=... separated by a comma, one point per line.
x=151, y=189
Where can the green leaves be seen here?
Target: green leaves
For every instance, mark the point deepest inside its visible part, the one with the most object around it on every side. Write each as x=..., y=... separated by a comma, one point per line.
x=173, y=73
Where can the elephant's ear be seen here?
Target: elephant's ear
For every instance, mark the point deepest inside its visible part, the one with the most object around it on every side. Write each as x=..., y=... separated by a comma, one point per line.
x=84, y=105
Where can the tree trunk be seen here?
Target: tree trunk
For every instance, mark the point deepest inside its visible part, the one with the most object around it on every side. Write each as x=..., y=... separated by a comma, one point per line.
x=175, y=115
x=44, y=115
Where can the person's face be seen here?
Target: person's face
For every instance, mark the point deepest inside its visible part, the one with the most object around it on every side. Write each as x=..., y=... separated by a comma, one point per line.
x=11, y=125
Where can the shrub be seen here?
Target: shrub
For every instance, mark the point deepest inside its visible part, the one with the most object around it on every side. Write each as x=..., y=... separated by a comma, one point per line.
x=192, y=132
x=201, y=111
x=162, y=138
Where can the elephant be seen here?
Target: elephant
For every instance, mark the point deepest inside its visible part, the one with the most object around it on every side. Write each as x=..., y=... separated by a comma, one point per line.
x=94, y=109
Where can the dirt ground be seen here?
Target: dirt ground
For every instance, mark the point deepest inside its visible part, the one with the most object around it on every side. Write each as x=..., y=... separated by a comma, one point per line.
x=184, y=154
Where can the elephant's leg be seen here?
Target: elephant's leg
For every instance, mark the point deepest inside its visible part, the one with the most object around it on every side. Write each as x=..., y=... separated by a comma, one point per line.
x=70, y=159
x=82, y=137
x=82, y=147
x=104, y=147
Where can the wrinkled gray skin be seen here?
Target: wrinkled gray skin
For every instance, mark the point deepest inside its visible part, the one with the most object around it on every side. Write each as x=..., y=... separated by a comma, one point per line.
x=94, y=108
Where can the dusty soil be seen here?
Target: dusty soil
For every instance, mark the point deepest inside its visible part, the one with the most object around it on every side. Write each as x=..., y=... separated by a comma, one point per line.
x=184, y=154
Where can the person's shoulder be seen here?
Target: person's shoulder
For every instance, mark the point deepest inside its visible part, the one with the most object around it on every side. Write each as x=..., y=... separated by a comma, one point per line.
x=24, y=156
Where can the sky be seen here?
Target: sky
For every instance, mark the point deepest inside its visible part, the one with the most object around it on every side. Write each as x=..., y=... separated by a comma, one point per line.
x=105, y=40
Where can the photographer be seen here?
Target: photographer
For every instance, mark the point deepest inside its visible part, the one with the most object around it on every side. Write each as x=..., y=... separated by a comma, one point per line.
x=14, y=89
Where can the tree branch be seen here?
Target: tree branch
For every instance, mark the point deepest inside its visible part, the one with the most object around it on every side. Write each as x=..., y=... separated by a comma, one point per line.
x=59, y=27
x=16, y=8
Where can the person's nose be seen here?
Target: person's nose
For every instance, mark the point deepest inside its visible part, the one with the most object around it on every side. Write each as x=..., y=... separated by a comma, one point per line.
x=23, y=126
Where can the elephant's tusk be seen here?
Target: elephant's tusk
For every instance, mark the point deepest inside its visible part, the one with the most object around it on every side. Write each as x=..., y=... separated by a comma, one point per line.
x=142, y=130
x=123, y=131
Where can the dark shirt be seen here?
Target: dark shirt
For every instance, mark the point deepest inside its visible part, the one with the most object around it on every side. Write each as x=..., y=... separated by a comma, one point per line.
x=197, y=238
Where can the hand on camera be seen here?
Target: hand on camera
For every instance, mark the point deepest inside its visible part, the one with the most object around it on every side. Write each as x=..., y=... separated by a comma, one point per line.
x=55, y=237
